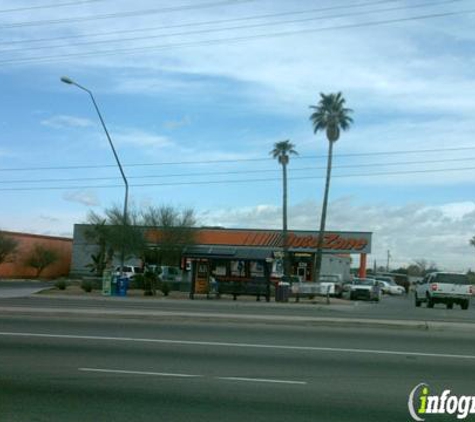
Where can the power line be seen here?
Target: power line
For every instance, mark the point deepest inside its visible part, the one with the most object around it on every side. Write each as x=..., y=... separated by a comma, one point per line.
x=232, y=28
x=242, y=160
x=133, y=50
x=224, y=173
x=234, y=181
x=48, y=6
x=203, y=23
x=124, y=14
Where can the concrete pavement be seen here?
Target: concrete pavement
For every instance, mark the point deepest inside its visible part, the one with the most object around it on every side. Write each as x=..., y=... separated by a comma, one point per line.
x=224, y=312
x=22, y=288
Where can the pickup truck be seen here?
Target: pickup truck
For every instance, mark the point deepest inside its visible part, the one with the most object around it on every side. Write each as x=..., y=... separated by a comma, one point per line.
x=444, y=287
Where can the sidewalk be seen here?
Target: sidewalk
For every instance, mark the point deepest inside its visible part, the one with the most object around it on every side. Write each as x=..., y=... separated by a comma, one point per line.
x=137, y=294
x=43, y=299
x=244, y=312
x=22, y=288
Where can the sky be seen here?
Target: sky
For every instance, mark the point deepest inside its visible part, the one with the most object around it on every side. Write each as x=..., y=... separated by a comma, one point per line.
x=195, y=94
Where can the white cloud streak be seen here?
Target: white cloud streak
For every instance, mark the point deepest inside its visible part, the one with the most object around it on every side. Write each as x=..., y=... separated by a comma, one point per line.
x=63, y=122
x=84, y=197
x=411, y=232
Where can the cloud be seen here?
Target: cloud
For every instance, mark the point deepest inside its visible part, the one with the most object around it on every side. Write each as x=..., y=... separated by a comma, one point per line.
x=48, y=218
x=140, y=138
x=413, y=231
x=177, y=124
x=388, y=67
x=260, y=216
x=63, y=121
x=52, y=222
x=87, y=198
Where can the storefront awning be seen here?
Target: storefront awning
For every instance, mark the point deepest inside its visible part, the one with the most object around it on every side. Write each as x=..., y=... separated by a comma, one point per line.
x=238, y=253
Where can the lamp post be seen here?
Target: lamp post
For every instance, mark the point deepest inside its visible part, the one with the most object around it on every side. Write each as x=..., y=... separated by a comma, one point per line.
x=69, y=81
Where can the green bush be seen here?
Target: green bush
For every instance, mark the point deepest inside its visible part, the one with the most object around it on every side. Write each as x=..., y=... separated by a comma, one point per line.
x=150, y=280
x=165, y=288
x=86, y=285
x=96, y=283
x=60, y=285
x=137, y=282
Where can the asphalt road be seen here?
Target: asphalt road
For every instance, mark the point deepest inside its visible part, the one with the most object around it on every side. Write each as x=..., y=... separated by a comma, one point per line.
x=57, y=369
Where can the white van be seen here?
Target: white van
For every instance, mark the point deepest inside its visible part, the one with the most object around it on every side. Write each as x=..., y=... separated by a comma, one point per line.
x=129, y=271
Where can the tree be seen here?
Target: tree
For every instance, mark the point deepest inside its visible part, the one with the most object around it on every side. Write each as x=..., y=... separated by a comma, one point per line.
x=111, y=237
x=170, y=230
x=282, y=151
x=421, y=267
x=8, y=247
x=331, y=116
x=167, y=229
x=97, y=233
x=125, y=239
x=40, y=258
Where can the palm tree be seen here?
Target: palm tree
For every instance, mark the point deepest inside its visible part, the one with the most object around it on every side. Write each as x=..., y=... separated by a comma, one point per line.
x=282, y=151
x=331, y=116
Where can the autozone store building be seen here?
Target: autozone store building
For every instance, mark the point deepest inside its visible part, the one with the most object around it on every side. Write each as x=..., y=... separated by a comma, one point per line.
x=243, y=254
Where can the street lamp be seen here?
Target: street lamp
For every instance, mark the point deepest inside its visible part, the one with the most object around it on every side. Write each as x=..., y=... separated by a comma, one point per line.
x=69, y=81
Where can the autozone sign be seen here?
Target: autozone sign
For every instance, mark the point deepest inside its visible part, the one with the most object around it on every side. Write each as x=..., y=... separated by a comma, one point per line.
x=343, y=242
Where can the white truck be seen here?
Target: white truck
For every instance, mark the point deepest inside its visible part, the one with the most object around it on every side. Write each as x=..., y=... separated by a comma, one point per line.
x=444, y=287
x=362, y=288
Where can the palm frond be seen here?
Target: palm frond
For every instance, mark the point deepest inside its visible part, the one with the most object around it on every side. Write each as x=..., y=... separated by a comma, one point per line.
x=283, y=149
x=331, y=114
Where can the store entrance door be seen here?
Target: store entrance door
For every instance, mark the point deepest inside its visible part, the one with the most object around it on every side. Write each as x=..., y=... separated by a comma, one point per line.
x=302, y=271
x=202, y=277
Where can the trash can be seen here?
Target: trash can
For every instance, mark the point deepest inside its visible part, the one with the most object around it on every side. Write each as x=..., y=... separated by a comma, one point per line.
x=282, y=292
x=114, y=291
x=122, y=286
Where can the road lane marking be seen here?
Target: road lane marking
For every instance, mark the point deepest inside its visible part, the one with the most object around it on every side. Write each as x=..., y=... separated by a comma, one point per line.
x=126, y=372
x=165, y=374
x=271, y=381
x=242, y=345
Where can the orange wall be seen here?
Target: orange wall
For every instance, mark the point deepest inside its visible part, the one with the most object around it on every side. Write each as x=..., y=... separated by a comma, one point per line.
x=16, y=269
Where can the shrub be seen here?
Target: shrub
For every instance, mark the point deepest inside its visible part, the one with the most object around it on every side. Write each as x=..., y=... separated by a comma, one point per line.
x=41, y=257
x=86, y=285
x=137, y=282
x=165, y=288
x=150, y=280
x=60, y=285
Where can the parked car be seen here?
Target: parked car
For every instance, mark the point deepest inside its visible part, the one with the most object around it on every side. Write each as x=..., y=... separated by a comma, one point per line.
x=331, y=283
x=396, y=278
x=444, y=287
x=129, y=271
x=390, y=287
x=170, y=274
x=362, y=288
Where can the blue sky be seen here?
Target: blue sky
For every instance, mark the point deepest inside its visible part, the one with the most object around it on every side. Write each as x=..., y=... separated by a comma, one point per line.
x=186, y=103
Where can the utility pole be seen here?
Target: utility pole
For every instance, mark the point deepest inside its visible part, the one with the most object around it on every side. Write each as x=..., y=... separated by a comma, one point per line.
x=387, y=264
